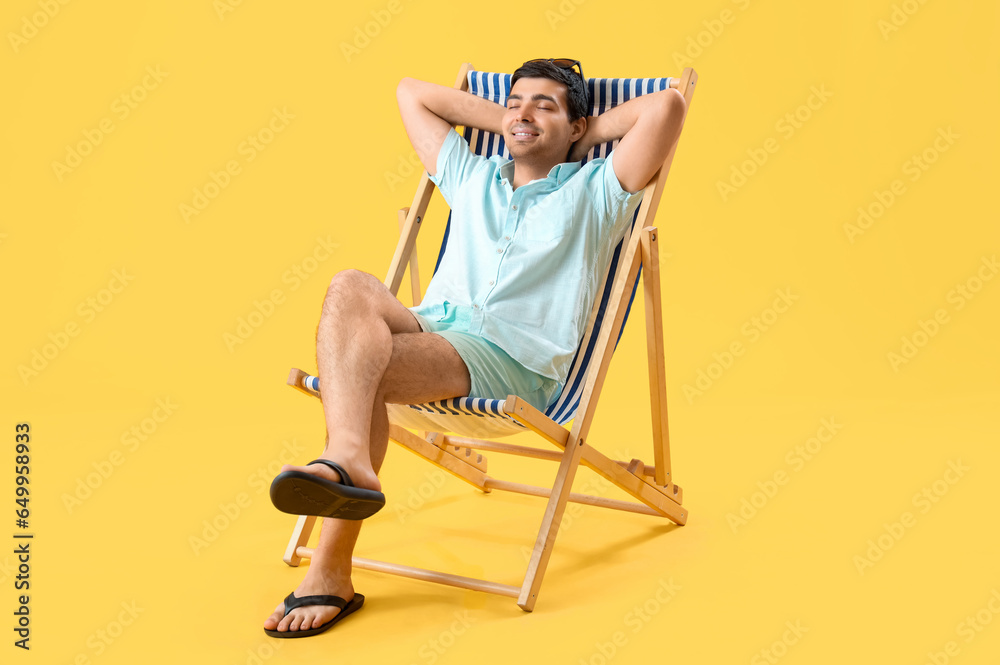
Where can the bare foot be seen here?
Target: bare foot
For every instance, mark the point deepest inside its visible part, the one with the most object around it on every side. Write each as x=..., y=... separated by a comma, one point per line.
x=311, y=616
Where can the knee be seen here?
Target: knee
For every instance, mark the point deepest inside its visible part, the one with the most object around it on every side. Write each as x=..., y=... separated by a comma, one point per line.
x=352, y=279
x=348, y=285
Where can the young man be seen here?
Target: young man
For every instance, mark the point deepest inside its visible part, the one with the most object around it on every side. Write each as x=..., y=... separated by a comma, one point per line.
x=506, y=309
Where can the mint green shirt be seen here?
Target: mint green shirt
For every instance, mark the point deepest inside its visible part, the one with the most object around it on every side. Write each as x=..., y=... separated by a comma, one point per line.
x=523, y=267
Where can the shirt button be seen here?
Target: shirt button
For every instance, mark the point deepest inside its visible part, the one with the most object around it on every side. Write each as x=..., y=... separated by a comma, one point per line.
x=506, y=237
x=514, y=207
x=491, y=282
x=475, y=307
x=499, y=251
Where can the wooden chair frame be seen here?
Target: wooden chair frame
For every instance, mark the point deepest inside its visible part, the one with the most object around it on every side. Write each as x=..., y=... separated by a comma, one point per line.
x=652, y=486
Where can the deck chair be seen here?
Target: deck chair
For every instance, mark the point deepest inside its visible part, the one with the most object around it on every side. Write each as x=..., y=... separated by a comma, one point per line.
x=452, y=430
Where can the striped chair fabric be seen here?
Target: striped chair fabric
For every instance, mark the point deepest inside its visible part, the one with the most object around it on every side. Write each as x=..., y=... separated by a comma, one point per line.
x=485, y=417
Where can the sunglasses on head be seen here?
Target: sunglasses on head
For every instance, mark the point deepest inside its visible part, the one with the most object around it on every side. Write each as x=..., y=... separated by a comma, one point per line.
x=565, y=63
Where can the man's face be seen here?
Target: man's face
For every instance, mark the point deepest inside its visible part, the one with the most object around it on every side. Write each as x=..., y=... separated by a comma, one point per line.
x=536, y=125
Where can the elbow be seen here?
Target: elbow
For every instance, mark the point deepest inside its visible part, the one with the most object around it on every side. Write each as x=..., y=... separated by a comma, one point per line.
x=404, y=88
x=670, y=113
x=664, y=113
x=673, y=104
x=411, y=93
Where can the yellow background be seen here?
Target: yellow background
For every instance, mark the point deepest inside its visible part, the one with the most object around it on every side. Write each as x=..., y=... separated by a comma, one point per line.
x=330, y=174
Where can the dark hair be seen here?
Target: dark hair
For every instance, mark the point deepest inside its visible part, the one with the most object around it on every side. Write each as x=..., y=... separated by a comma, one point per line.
x=576, y=89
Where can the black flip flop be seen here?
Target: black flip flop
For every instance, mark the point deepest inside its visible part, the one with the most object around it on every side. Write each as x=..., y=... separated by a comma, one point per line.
x=301, y=493
x=293, y=601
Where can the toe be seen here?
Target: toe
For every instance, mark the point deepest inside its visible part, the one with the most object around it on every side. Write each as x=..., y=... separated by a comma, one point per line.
x=295, y=620
x=300, y=618
x=326, y=615
x=272, y=622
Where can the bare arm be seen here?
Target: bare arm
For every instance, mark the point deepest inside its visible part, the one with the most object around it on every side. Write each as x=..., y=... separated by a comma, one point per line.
x=648, y=127
x=429, y=111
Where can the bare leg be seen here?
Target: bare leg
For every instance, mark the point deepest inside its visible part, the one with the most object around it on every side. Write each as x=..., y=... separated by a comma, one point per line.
x=368, y=347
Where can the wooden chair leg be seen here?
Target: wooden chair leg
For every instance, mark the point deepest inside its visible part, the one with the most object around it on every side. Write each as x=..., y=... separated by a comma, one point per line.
x=414, y=270
x=550, y=525
x=300, y=537
x=655, y=355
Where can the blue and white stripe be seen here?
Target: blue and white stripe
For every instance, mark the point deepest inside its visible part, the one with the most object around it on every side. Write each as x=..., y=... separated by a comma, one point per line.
x=605, y=94
x=471, y=416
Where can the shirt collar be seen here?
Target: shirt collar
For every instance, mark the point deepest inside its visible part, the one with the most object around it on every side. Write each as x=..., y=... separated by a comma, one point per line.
x=559, y=173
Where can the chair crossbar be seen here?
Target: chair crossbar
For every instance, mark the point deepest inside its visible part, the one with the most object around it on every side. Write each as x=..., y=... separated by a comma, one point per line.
x=471, y=583
x=528, y=451
x=574, y=497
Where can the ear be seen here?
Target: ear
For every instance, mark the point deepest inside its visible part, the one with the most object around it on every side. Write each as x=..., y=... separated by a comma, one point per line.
x=577, y=129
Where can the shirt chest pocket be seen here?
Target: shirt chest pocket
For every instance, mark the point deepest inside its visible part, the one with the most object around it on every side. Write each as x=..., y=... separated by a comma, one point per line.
x=545, y=229
x=552, y=218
